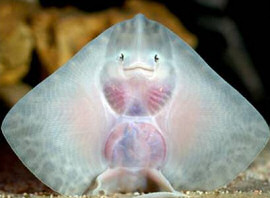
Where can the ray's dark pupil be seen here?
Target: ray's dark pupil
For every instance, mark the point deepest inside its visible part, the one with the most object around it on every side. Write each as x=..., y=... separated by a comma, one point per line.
x=121, y=57
x=156, y=58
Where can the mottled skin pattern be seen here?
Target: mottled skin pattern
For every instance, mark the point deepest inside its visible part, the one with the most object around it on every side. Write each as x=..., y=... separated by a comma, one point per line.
x=135, y=110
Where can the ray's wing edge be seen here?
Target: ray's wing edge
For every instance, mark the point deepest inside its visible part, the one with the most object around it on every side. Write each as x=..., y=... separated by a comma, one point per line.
x=214, y=132
x=58, y=128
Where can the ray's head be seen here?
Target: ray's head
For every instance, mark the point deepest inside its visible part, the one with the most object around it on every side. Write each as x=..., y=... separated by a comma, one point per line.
x=139, y=47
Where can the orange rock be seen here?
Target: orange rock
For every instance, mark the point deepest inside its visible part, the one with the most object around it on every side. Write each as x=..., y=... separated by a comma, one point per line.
x=11, y=94
x=60, y=33
x=16, y=42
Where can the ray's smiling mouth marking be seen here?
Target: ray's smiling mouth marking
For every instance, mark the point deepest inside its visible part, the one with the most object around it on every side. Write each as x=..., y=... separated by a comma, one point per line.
x=138, y=68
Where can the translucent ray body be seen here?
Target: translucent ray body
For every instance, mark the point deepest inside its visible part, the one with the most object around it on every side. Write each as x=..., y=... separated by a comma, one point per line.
x=138, y=73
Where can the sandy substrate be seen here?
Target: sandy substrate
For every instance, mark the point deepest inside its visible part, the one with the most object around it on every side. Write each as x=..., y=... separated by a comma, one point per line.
x=17, y=181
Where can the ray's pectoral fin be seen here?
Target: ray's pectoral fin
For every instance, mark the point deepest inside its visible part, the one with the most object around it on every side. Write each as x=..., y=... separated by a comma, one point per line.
x=124, y=180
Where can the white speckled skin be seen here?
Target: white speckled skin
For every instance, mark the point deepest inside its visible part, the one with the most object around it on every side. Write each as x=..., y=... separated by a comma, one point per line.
x=136, y=76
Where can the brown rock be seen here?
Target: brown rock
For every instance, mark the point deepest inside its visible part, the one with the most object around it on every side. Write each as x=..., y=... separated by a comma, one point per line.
x=11, y=94
x=60, y=33
x=16, y=41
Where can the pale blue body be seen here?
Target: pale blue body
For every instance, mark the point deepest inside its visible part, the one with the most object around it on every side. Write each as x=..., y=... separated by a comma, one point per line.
x=69, y=130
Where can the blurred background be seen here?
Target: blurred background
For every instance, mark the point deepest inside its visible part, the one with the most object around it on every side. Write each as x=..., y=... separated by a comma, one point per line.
x=36, y=37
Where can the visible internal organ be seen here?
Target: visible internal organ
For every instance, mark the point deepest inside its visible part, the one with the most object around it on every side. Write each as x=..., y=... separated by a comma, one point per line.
x=115, y=94
x=158, y=95
x=137, y=97
x=135, y=145
x=136, y=108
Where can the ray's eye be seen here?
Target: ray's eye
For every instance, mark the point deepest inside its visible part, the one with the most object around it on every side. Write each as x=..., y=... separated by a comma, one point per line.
x=156, y=58
x=121, y=57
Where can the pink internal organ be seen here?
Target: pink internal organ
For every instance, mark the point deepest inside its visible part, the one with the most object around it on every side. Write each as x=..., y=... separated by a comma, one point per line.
x=157, y=98
x=136, y=109
x=138, y=100
x=115, y=95
x=137, y=145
